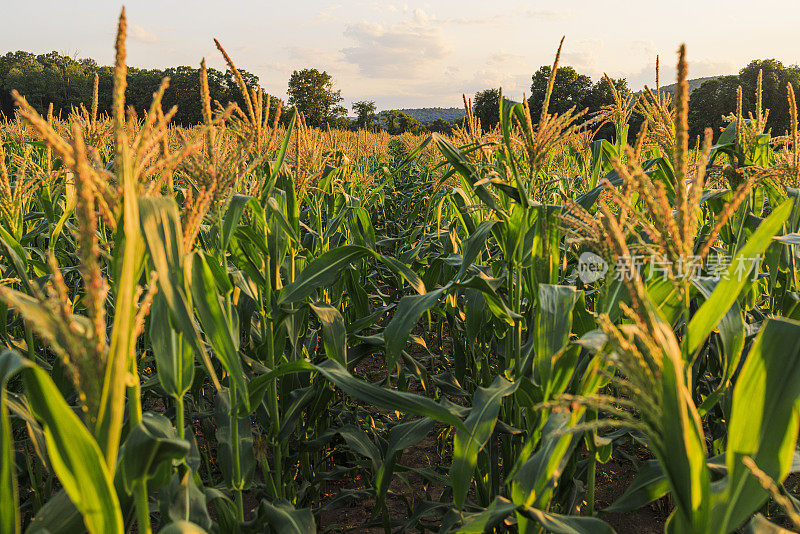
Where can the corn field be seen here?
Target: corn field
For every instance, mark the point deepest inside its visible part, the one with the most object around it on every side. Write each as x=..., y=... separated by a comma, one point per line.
x=246, y=327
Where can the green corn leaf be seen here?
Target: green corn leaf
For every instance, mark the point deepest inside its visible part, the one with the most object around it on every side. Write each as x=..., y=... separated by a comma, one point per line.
x=257, y=387
x=16, y=257
x=59, y=227
x=58, y=516
x=400, y=268
x=358, y=442
x=231, y=218
x=10, y=364
x=473, y=246
x=731, y=333
x=727, y=290
x=682, y=444
x=224, y=435
x=334, y=334
x=484, y=521
x=532, y=482
x=552, y=327
x=215, y=323
x=764, y=420
x=405, y=318
x=74, y=454
x=479, y=426
x=150, y=447
x=650, y=484
x=361, y=227
x=468, y=172
x=401, y=437
x=161, y=229
x=183, y=500
x=323, y=271
x=388, y=399
x=283, y=517
x=567, y=524
x=276, y=209
x=181, y=527
x=174, y=357
x=489, y=287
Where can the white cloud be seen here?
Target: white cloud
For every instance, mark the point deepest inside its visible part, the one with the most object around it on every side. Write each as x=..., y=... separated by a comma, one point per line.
x=583, y=56
x=698, y=68
x=508, y=16
x=420, y=17
x=397, y=51
x=141, y=34
x=310, y=56
x=327, y=14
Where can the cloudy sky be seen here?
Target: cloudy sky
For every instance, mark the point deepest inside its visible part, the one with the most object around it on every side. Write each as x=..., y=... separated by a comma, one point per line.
x=417, y=54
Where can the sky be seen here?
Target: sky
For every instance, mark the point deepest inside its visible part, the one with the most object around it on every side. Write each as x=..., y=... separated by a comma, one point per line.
x=407, y=54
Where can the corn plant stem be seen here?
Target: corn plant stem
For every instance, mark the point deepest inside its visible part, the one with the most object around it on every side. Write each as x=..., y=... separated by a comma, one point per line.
x=29, y=342
x=142, y=507
x=482, y=478
x=140, y=485
x=494, y=468
x=237, y=465
x=590, y=482
x=134, y=406
x=516, y=277
x=591, y=473
x=688, y=359
x=234, y=399
x=32, y=474
x=515, y=292
x=179, y=424
x=277, y=451
x=179, y=407
x=267, y=473
x=508, y=460
x=268, y=336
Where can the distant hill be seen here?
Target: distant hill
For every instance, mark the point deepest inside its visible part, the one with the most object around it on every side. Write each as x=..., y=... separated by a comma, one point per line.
x=693, y=84
x=431, y=114
x=452, y=114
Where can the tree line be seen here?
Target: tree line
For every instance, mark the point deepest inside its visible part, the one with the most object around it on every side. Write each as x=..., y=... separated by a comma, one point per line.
x=717, y=97
x=67, y=83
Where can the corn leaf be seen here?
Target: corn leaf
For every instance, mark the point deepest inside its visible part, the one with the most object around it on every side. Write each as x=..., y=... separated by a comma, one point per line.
x=727, y=290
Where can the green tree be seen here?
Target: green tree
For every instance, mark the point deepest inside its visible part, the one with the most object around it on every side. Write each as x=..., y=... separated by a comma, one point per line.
x=569, y=89
x=775, y=76
x=710, y=102
x=407, y=123
x=311, y=92
x=716, y=98
x=389, y=119
x=397, y=122
x=600, y=95
x=439, y=125
x=486, y=107
x=67, y=83
x=365, y=113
